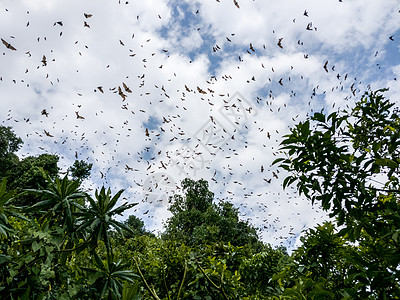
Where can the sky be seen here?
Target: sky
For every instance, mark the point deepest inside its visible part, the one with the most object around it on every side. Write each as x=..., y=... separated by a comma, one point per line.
x=152, y=92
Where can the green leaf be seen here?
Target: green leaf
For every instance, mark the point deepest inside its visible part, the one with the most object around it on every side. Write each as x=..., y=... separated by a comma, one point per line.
x=287, y=181
x=131, y=291
x=319, y=117
x=386, y=162
x=278, y=160
x=395, y=236
x=4, y=258
x=305, y=128
x=36, y=246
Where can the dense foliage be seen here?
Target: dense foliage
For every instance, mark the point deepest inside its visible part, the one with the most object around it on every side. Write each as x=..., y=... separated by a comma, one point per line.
x=59, y=242
x=196, y=220
x=349, y=163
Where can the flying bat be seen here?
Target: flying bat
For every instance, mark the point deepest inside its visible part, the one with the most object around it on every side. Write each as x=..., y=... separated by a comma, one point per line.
x=280, y=43
x=9, y=46
x=326, y=66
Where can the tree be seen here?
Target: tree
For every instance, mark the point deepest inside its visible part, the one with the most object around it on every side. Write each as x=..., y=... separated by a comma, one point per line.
x=196, y=220
x=58, y=245
x=349, y=162
x=80, y=170
x=136, y=226
x=188, y=211
x=7, y=210
x=257, y=271
x=319, y=268
x=33, y=172
x=60, y=254
x=171, y=270
x=9, y=143
x=60, y=200
x=29, y=173
x=108, y=277
x=99, y=217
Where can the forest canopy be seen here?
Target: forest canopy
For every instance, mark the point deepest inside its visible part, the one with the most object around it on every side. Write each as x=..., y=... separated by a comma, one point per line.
x=60, y=242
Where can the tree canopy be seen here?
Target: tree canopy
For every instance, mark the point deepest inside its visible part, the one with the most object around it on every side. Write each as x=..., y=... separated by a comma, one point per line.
x=68, y=244
x=9, y=144
x=349, y=161
x=196, y=220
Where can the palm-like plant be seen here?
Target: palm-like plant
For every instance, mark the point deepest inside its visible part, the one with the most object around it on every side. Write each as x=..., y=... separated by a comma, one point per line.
x=6, y=209
x=60, y=198
x=98, y=218
x=109, y=277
